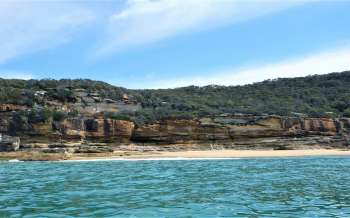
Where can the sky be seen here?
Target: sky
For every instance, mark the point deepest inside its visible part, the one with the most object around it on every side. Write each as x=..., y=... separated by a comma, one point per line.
x=147, y=44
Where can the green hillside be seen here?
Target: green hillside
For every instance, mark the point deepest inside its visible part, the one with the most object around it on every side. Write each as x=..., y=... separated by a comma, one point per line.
x=318, y=96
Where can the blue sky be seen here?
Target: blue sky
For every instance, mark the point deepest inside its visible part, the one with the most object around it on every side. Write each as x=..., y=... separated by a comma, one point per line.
x=172, y=43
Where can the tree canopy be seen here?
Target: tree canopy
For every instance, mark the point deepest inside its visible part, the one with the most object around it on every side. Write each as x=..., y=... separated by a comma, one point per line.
x=316, y=95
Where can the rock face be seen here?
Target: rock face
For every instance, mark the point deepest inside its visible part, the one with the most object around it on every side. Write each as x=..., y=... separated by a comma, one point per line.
x=70, y=129
x=99, y=129
x=87, y=103
x=8, y=143
x=230, y=131
x=233, y=128
x=11, y=107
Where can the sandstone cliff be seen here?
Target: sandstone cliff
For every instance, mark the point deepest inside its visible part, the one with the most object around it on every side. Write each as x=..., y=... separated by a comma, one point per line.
x=231, y=128
x=229, y=131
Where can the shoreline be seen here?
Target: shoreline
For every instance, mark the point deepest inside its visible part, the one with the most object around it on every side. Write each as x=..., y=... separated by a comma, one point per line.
x=220, y=154
x=172, y=155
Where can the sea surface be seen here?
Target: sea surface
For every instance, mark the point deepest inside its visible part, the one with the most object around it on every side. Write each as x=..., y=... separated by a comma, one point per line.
x=265, y=187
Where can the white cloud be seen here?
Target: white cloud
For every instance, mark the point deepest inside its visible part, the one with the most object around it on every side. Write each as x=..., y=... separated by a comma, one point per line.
x=147, y=21
x=27, y=27
x=16, y=75
x=321, y=63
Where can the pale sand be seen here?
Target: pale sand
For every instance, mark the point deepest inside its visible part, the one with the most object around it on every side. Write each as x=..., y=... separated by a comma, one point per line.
x=252, y=153
x=223, y=154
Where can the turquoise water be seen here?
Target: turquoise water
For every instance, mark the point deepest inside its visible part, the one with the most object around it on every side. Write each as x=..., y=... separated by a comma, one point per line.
x=280, y=187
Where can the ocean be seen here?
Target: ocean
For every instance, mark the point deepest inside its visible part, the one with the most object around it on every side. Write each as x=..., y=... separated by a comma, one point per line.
x=261, y=187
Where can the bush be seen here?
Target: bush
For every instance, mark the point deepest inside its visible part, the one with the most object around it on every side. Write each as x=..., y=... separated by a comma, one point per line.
x=58, y=116
x=117, y=116
x=346, y=112
x=38, y=115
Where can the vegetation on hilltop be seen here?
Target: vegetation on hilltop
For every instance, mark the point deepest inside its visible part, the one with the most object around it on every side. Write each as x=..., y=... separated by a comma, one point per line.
x=317, y=95
x=22, y=91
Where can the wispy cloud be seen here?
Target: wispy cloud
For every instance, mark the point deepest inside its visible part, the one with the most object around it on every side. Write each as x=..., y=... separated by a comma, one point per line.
x=30, y=26
x=27, y=27
x=16, y=75
x=321, y=63
x=146, y=21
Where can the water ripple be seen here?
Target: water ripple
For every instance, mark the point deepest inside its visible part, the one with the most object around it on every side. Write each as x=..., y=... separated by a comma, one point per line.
x=277, y=187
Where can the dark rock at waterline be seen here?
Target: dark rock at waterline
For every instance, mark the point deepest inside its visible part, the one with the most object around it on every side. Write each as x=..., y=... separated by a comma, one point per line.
x=93, y=149
x=54, y=150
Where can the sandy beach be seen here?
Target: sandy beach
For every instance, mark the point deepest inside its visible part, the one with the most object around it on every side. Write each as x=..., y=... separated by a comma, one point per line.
x=222, y=154
x=252, y=153
x=204, y=154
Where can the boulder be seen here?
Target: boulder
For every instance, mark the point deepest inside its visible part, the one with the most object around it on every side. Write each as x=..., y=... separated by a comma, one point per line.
x=8, y=143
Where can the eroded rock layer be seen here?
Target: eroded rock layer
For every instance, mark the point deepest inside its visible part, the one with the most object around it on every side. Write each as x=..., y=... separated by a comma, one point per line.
x=229, y=131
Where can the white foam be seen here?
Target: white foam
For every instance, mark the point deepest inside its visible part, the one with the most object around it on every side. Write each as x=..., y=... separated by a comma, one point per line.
x=14, y=160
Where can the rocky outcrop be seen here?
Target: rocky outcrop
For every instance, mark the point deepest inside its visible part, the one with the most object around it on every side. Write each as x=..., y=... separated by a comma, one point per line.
x=88, y=103
x=8, y=143
x=11, y=107
x=230, y=131
x=234, y=128
x=107, y=130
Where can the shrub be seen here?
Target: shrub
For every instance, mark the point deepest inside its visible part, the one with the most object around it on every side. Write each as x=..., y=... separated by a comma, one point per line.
x=346, y=112
x=58, y=115
x=117, y=116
